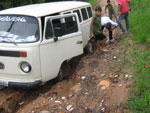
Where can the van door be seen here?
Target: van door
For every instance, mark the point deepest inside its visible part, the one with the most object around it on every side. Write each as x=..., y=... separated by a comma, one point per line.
x=62, y=40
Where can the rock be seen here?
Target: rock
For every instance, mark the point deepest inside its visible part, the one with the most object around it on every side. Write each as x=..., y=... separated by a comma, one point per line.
x=58, y=102
x=126, y=77
x=113, y=85
x=69, y=108
x=128, y=85
x=63, y=98
x=121, y=77
x=44, y=112
x=76, y=87
x=116, y=76
x=120, y=85
x=86, y=93
x=104, y=83
x=115, y=81
x=114, y=57
x=21, y=103
x=103, y=87
x=102, y=101
x=102, y=75
x=83, y=77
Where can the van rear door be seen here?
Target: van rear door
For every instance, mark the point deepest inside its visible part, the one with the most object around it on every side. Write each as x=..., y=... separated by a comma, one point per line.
x=62, y=40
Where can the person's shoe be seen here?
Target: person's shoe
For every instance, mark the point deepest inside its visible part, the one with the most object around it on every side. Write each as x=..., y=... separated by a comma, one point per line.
x=122, y=33
x=107, y=41
x=105, y=50
x=112, y=40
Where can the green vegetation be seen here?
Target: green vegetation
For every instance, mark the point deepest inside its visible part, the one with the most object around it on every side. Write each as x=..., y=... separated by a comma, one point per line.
x=92, y=2
x=139, y=102
x=139, y=21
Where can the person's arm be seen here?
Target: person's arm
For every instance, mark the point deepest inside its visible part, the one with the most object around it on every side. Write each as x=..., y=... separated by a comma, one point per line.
x=129, y=2
x=91, y=26
x=105, y=9
x=119, y=9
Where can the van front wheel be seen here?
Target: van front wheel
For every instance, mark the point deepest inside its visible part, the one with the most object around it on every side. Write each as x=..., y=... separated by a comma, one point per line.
x=63, y=72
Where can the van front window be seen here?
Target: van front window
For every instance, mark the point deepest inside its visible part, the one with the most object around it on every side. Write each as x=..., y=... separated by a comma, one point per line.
x=18, y=29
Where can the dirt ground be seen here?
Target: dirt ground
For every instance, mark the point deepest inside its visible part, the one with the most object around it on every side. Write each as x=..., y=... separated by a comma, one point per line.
x=93, y=87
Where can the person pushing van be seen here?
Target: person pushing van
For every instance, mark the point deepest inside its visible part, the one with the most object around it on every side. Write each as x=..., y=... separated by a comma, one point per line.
x=96, y=29
x=110, y=25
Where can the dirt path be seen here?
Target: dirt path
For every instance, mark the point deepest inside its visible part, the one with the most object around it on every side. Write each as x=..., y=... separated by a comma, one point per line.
x=97, y=83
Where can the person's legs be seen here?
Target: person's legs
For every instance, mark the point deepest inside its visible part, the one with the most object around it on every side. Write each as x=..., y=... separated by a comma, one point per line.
x=110, y=34
x=98, y=44
x=110, y=16
x=127, y=21
x=121, y=17
x=100, y=41
x=108, y=27
x=103, y=43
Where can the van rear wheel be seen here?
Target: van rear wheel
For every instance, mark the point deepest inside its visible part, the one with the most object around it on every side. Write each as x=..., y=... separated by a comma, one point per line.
x=91, y=46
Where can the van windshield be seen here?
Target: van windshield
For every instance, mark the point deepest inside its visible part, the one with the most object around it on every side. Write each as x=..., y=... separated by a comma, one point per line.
x=18, y=29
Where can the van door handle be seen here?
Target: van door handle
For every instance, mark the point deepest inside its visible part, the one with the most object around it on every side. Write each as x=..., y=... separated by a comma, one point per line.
x=79, y=42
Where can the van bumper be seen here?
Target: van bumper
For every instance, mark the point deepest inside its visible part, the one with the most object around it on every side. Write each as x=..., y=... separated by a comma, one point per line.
x=21, y=84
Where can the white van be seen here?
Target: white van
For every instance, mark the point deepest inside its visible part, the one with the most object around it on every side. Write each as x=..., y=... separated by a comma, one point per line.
x=35, y=40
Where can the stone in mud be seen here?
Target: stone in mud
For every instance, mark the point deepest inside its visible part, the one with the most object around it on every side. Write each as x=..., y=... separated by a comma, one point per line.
x=121, y=77
x=44, y=112
x=104, y=83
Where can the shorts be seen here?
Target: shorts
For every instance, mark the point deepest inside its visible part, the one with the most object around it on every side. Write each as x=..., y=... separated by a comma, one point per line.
x=100, y=37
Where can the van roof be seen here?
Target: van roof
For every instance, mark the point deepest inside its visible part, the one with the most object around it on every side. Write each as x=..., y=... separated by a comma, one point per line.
x=43, y=9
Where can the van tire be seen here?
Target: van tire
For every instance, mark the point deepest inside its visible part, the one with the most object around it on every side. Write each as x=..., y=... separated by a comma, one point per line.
x=90, y=47
x=64, y=71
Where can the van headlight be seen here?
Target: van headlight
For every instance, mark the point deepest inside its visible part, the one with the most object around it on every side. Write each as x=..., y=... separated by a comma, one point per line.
x=25, y=67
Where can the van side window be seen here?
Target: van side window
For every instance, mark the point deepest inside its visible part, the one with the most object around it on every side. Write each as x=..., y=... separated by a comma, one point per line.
x=64, y=26
x=89, y=11
x=78, y=13
x=49, y=32
x=84, y=14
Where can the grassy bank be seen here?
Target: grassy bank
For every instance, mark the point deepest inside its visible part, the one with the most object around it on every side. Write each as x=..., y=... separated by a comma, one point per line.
x=139, y=101
x=92, y=2
x=139, y=21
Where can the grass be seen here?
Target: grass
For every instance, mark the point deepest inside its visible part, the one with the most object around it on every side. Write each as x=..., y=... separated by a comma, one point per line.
x=92, y=2
x=139, y=21
x=139, y=100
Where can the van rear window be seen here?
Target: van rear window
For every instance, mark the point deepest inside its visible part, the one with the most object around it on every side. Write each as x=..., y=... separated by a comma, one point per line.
x=89, y=11
x=78, y=13
x=84, y=14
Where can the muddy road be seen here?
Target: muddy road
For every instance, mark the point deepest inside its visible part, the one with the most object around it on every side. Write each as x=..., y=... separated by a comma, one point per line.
x=94, y=85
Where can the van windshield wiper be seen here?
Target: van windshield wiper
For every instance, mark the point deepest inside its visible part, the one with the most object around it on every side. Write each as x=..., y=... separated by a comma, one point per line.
x=9, y=41
x=11, y=26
